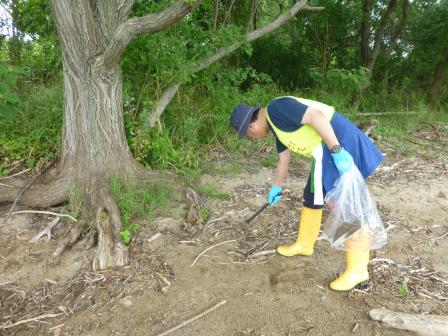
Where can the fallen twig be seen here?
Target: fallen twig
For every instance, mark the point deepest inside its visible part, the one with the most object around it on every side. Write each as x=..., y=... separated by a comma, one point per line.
x=209, y=248
x=443, y=236
x=262, y=253
x=46, y=231
x=34, y=319
x=187, y=322
x=385, y=113
x=154, y=237
x=45, y=213
x=16, y=174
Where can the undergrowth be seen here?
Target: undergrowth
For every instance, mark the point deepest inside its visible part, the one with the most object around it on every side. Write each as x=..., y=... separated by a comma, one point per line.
x=195, y=126
x=138, y=202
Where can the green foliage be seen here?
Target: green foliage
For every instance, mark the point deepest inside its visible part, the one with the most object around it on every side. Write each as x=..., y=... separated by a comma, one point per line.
x=315, y=55
x=342, y=80
x=138, y=202
x=127, y=234
x=8, y=79
x=205, y=214
x=403, y=288
x=32, y=131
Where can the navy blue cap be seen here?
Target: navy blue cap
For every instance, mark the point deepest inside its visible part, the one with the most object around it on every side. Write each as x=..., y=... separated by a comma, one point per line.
x=241, y=116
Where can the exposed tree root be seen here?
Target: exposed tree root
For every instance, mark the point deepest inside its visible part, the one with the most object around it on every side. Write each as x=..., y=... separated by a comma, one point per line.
x=100, y=220
x=36, y=195
x=72, y=236
x=111, y=251
x=24, y=188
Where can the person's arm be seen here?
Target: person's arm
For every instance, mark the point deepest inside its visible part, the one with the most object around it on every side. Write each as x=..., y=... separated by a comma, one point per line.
x=282, y=167
x=316, y=119
x=282, y=170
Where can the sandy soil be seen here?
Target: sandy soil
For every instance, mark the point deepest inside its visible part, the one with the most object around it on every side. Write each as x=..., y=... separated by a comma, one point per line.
x=266, y=294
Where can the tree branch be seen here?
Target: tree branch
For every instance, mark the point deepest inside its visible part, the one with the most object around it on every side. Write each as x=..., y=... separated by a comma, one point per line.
x=205, y=62
x=145, y=25
x=124, y=7
x=215, y=16
x=229, y=12
x=379, y=34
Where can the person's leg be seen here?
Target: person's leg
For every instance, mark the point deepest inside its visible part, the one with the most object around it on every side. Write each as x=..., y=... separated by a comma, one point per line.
x=309, y=227
x=357, y=258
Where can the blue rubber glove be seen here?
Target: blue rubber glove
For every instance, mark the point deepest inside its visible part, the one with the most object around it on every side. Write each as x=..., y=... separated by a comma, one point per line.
x=273, y=196
x=343, y=161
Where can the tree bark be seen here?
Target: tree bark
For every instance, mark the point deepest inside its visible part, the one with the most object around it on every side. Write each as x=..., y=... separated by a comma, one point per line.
x=380, y=33
x=93, y=35
x=229, y=12
x=14, y=41
x=252, y=22
x=215, y=15
x=205, y=62
x=439, y=78
x=37, y=195
x=365, y=32
x=94, y=145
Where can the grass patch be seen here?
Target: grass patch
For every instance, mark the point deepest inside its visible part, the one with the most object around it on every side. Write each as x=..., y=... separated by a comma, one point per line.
x=213, y=192
x=138, y=202
x=270, y=161
x=226, y=169
x=403, y=288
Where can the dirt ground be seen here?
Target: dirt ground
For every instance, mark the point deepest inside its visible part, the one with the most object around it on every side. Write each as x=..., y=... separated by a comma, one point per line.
x=172, y=277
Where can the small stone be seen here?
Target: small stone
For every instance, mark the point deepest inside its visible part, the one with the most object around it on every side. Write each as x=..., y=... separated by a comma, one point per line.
x=126, y=301
x=441, y=194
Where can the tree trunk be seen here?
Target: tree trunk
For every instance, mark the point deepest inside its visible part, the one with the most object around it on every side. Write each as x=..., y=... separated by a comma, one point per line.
x=369, y=57
x=94, y=145
x=14, y=41
x=365, y=32
x=215, y=16
x=379, y=34
x=439, y=78
x=93, y=36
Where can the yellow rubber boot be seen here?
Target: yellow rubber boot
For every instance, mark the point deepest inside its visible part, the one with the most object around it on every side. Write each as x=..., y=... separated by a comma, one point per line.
x=310, y=221
x=357, y=258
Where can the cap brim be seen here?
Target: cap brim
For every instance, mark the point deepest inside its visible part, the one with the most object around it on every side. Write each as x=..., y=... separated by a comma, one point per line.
x=243, y=131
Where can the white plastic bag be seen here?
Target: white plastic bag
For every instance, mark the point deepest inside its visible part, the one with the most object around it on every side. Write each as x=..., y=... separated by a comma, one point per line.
x=353, y=215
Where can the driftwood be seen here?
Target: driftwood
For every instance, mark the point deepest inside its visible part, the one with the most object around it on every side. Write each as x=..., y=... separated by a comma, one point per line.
x=425, y=325
x=385, y=113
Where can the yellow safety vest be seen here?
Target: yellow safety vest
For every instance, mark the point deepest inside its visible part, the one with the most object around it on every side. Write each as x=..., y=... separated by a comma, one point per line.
x=304, y=140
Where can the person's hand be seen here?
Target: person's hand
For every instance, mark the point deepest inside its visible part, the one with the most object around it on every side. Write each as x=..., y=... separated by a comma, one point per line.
x=343, y=161
x=274, y=196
